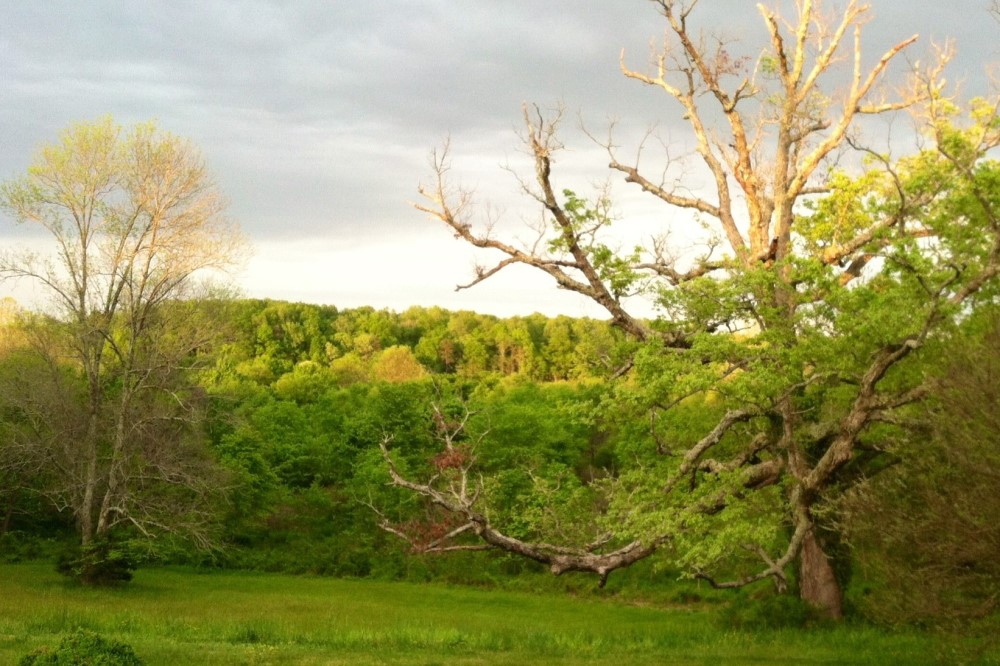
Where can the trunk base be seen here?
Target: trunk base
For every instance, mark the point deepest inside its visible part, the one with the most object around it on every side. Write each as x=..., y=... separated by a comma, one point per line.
x=818, y=585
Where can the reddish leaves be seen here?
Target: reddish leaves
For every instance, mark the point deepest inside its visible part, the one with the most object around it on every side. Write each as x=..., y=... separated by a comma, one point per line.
x=455, y=457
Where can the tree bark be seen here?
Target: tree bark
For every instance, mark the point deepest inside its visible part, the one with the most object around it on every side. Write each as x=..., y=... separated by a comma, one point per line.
x=818, y=585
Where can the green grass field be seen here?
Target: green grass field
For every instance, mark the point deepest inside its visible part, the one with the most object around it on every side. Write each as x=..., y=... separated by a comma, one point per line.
x=184, y=617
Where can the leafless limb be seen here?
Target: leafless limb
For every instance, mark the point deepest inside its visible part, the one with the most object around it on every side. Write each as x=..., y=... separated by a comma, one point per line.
x=452, y=489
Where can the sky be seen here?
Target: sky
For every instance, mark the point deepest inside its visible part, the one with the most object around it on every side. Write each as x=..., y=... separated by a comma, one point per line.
x=318, y=118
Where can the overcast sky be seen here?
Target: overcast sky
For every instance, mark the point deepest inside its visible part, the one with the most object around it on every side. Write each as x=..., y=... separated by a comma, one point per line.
x=318, y=118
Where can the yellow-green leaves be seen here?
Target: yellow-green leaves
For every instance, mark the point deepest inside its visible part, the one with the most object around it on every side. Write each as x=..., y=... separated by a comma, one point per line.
x=853, y=207
x=614, y=267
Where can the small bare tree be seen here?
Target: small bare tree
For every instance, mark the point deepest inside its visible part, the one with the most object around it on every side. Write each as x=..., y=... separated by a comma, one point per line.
x=800, y=327
x=135, y=219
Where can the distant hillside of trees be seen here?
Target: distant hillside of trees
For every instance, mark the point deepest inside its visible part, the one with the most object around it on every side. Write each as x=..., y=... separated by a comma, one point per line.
x=360, y=344
x=296, y=399
x=304, y=394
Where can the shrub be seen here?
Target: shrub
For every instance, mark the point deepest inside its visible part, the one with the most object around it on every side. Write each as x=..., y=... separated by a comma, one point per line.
x=22, y=546
x=924, y=530
x=83, y=648
x=101, y=562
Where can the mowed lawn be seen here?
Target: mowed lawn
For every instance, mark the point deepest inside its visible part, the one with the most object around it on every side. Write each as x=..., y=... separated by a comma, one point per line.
x=184, y=617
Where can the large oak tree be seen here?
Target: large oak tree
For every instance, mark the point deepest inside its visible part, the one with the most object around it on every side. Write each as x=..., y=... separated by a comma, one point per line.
x=783, y=354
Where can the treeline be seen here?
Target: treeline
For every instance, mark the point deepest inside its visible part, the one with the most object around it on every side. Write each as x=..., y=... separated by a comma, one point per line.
x=363, y=344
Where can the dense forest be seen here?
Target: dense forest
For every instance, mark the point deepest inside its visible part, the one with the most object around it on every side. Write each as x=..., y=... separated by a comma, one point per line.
x=296, y=398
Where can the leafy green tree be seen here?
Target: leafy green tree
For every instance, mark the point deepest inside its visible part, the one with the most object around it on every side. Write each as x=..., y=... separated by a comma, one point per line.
x=427, y=333
x=436, y=351
x=560, y=348
x=398, y=364
x=291, y=331
x=475, y=354
x=306, y=382
x=786, y=348
x=135, y=220
x=350, y=369
x=515, y=347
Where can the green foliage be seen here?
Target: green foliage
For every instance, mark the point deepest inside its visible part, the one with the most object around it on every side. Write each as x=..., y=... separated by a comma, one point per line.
x=279, y=340
x=615, y=268
x=304, y=453
x=84, y=648
x=924, y=529
x=854, y=205
x=27, y=546
x=102, y=562
x=397, y=364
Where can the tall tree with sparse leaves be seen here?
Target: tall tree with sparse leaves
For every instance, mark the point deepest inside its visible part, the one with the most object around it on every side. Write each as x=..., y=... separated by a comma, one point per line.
x=135, y=219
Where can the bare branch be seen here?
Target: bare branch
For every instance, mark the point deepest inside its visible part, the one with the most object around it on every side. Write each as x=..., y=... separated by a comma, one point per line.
x=460, y=503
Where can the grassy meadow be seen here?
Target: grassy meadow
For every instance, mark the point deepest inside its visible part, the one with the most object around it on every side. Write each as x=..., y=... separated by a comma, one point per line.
x=175, y=616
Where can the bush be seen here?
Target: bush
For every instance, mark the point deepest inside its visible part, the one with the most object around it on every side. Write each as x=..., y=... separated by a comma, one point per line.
x=99, y=563
x=924, y=531
x=19, y=546
x=83, y=648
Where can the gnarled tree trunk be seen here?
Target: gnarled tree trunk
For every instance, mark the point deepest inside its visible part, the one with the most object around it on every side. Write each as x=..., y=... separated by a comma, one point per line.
x=818, y=585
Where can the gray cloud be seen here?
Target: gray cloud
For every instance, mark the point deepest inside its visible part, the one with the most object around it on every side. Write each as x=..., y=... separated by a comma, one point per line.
x=318, y=117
